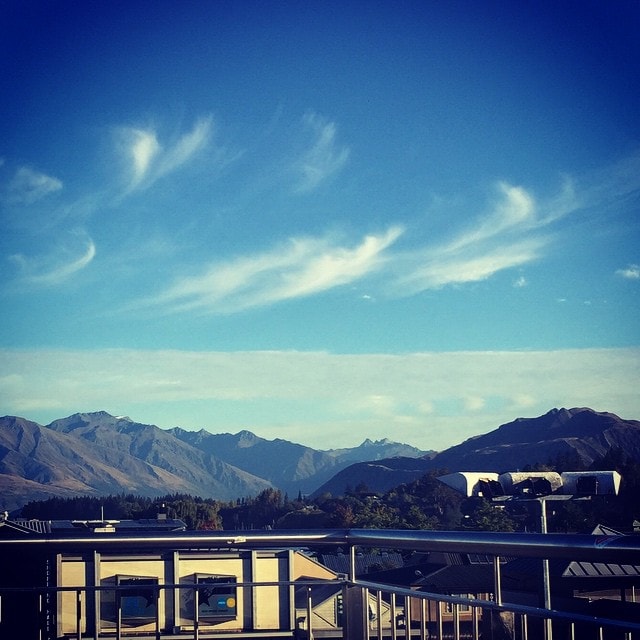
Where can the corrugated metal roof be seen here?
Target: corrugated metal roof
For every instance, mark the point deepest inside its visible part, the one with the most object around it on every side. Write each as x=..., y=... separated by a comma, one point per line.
x=364, y=563
x=65, y=526
x=37, y=526
x=600, y=570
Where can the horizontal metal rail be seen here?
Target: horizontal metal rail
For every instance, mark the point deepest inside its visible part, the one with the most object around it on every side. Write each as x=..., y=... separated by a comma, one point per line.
x=533, y=545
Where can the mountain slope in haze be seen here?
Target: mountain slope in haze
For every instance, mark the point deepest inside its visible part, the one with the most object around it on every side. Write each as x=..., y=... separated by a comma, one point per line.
x=377, y=476
x=289, y=466
x=98, y=454
x=580, y=432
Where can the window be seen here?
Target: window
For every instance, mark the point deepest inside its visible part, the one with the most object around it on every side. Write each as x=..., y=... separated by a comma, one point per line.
x=217, y=596
x=138, y=601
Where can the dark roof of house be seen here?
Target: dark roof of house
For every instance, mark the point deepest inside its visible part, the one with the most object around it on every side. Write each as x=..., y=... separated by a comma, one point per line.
x=9, y=528
x=453, y=579
x=526, y=573
x=71, y=527
x=406, y=576
x=319, y=593
x=364, y=562
x=601, y=570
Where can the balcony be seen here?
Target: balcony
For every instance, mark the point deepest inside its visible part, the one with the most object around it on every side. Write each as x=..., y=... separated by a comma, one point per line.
x=260, y=585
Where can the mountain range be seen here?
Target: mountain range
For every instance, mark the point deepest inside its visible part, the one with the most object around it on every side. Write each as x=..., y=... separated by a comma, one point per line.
x=98, y=454
x=580, y=434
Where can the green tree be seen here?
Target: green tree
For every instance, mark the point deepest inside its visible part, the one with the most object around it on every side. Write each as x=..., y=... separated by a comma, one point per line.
x=489, y=517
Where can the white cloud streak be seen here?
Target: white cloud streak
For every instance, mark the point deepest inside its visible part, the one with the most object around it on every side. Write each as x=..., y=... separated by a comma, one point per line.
x=514, y=210
x=439, y=269
x=149, y=160
x=631, y=272
x=432, y=400
x=55, y=268
x=324, y=158
x=143, y=147
x=29, y=186
x=508, y=236
x=302, y=267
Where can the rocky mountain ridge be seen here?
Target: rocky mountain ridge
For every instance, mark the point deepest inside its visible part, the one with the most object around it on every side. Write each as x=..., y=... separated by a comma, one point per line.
x=579, y=434
x=97, y=454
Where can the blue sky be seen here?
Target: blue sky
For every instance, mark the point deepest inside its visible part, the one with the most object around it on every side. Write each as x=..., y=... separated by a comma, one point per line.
x=320, y=221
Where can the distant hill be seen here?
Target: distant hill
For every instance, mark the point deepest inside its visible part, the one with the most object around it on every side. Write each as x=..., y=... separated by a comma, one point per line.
x=378, y=476
x=98, y=454
x=289, y=466
x=579, y=433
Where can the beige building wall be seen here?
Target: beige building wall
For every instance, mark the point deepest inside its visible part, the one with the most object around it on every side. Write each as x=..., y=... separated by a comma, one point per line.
x=264, y=608
x=72, y=573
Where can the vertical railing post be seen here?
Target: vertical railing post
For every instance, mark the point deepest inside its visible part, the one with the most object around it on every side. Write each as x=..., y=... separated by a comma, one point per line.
x=157, y=595
x=546, y=583
x=79, y=614
x=196, y=617
x=407, y=616
x=309, y=614
x=118, y=614
x=392, y=615
x=356, y=619
x=497, y=580
x=456, y=621
x=475, y=628
x=352, y=564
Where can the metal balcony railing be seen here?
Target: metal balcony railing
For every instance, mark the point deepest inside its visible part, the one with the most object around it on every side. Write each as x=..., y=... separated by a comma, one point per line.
x=364, y=609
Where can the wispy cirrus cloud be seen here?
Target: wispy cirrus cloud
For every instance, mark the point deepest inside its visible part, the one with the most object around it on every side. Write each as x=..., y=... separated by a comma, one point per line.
x=507, y=236
x=440, y=269
x=612, y=183
x=325, y=156
x=301, y=267
x=28, y=186
x=631, y=272
x=149, y=160
x=59, y=265
x=513, y=211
